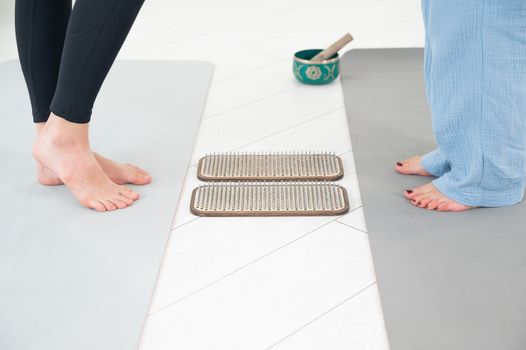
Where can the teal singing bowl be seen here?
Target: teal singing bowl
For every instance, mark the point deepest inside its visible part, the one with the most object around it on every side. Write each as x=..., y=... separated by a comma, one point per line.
x=315, y=73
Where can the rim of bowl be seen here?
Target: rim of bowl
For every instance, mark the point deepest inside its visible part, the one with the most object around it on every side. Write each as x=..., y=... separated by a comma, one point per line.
x=301, y=60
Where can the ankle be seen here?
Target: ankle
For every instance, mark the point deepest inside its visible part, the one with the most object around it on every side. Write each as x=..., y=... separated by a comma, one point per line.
x=61, y=133
x=39, y=127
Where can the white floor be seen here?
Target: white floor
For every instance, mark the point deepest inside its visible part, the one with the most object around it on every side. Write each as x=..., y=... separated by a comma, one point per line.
x=261, y=283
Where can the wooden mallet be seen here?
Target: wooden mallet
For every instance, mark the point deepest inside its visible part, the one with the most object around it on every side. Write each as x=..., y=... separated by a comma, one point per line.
x=334, y=48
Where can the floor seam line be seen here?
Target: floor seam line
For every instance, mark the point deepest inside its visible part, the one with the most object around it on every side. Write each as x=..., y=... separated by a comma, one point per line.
x=321, y=316
x=389, y=26
x=283, y=130
x=356, y=228
x=219, y=114
x=241, y=268
x=248, y=71
x=256, y=52
x=185, y=223
x=221, y=31
x=288, y=128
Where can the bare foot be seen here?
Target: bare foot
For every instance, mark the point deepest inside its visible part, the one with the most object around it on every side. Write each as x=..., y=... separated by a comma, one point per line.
x=47, y=177
x=44, y=175
x=119, y=173
x=428, y=197
x=411, y=166
x=123, y=173
x=63, y=148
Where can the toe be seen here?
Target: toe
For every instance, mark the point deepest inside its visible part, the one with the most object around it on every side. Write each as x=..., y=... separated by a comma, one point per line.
x=424, y=202
x=92, y=204
x=140, y=170
x=136, y=175
x=410, y=193
x=125, y=191
x=119, y=203
x=97, y=205
x=417, y=199
x=444, y=206
x=432, y=205
x=411, y=166
x=110, y=206
x=125, y=199
x=138, y=178
x=405, y=167
x=399, y=167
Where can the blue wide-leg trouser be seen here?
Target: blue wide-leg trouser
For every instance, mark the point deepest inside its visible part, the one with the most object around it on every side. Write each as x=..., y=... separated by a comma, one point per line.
x=475, y=75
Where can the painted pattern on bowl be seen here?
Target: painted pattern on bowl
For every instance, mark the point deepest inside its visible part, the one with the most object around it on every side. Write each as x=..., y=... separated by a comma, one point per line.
x=318, y=73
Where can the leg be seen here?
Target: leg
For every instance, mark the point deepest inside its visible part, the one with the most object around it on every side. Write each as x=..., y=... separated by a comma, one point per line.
x=40, y=32
x=433, y=163
x=95, y=34
x=478, y=100
x=96, y=31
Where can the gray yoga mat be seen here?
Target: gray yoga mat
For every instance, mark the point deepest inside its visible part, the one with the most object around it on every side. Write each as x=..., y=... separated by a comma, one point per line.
x=72, y=278
x=446, y=280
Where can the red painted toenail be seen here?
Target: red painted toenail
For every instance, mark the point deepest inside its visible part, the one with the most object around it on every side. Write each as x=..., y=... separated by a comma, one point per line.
x=409, y=191
x=399, y=164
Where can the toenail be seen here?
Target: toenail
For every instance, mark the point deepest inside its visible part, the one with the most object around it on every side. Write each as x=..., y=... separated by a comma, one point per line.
x=409, y=191
x=399, y=164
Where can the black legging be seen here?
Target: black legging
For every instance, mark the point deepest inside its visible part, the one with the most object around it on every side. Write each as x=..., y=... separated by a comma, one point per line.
x=66, y=54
